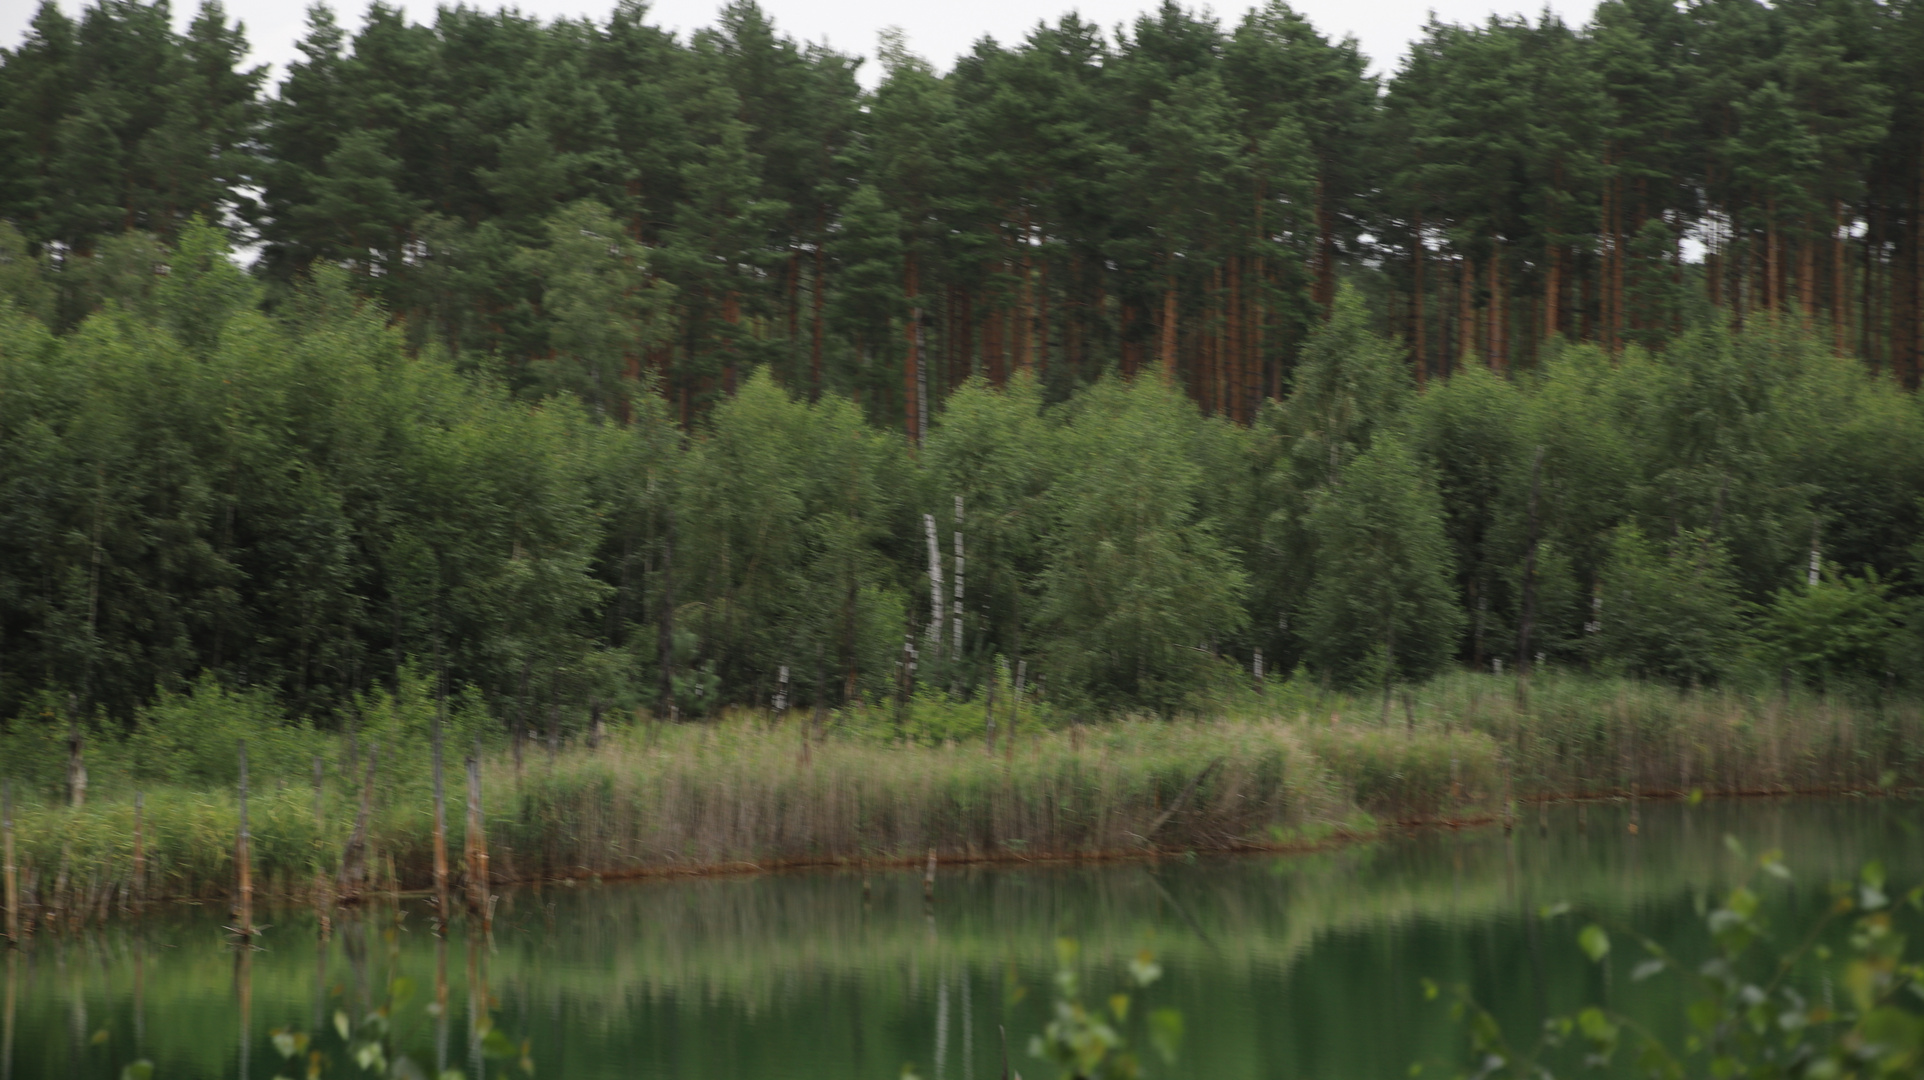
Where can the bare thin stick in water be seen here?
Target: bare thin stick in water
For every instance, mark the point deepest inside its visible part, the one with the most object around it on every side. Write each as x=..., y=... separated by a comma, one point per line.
x=12, y=873
x=243, y=858
x=140, y=849
x=354, y=856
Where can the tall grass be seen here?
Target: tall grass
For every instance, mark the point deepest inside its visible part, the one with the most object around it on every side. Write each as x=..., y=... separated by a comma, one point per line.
x=1260, y=769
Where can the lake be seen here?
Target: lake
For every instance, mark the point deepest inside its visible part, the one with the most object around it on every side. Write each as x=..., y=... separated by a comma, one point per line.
x=1282, y=966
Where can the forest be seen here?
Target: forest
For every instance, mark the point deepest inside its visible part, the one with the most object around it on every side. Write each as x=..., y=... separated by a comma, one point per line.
x=574, y=369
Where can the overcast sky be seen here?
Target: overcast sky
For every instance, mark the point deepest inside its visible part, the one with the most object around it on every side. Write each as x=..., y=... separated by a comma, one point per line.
x=938, y=31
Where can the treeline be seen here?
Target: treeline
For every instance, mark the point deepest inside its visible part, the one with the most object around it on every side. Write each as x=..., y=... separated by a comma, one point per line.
x=296, y=500
x=574, y=205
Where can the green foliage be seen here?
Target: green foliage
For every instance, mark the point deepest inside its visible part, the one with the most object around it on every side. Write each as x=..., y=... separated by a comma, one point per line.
x=1668, y=612
x=190, y=739
x=574, y=368
x=1763, y=1004
x=1381, y=608
x=381, y=1043
x=1831, y=631
x=1087, y=1042
x=1137, y=583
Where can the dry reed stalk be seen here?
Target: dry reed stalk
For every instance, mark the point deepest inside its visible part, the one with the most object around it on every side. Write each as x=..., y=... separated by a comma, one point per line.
x=440, y=834
x=353, y=872
x=323, y=906
x=243, y=859
x=6, y=1020
x=12, y=884
x=477, y=840
x=140, y=850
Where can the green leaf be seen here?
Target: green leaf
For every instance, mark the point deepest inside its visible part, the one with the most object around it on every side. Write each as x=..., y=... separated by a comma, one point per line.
x=1597, y=1028
x=289, y=1043
x=1870, y=893
x=139, y=1070
x=1165, y=1032
x=341, y=1024
x=1646, y=969
x=1696, y=796
x=498, y=1045
x=1594, y=943
x=1144, y=969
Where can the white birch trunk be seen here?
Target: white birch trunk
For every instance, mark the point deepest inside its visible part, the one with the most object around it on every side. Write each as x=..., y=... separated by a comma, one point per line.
x=956, y=643
x=937, y=617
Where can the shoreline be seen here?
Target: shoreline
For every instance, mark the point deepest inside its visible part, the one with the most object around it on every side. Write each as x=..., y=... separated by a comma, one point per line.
x=1335, y=839
x=743, y=795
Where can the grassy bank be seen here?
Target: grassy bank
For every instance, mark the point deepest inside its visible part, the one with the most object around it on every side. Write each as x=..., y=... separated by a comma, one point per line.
x=1290, y=765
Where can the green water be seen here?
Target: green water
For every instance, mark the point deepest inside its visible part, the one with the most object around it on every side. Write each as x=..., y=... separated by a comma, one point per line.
x=1305, y=966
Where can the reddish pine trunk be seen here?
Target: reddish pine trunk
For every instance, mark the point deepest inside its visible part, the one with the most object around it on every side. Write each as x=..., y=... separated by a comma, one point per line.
x=1416, y=303
x=1466, y=313
x=993, y=348
x=731, y=313
x=1169, y=332
x=815, y=303
x=1235, y=332
x=1494, y=315
x=1325, y=248
x=1042, y=323
x=1551, y=293
x=1840, y=304
x=1917, y=276
x=794, y=298
x=1773, y=285
x=1807, y=273
x=911, y=368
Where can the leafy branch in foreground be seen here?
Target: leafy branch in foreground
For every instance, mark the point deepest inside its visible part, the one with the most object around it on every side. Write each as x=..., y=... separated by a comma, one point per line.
x=1088, y=1043
x=1751, y=1013
x=371, y=1048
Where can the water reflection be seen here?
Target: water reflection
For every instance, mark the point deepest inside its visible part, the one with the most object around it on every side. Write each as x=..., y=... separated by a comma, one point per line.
x=1282, y=966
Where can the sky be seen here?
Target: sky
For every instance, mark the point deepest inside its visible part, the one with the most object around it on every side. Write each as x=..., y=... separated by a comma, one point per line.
x=938, y=31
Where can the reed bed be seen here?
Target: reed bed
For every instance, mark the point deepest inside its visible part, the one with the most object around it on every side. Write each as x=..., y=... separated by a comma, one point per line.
x=740, y=794
x=1265, y=770
x=1567, y=736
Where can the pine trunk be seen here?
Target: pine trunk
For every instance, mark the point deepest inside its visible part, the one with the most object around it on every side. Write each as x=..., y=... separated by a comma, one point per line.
x=1235, y=330
x=1840, y=304
x=1418, y=353
x=1617, y=270
x=1041, y=312
x=1169, y=332
x=1807, y=273
x=1325, y=249
x=1550, y=293
x=816, y=302
x=1497, y=360
x=1025, y=305
x=1466, y=313
x=912, y=367
x=1607, y=262
x=1916, y=328
x=1773, y=284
